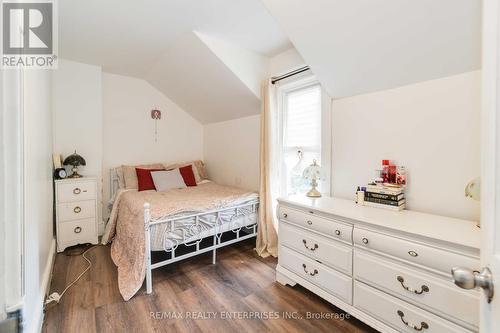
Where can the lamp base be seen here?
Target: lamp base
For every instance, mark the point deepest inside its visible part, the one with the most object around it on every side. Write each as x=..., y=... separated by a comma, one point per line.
x=313, y=193
x=75, y=173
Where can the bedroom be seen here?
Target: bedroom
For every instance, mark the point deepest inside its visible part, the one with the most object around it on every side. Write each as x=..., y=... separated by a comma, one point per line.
x=204, y=131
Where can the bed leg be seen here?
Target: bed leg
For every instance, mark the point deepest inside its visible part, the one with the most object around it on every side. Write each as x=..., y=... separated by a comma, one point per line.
x=214, y=251
x=147, y=257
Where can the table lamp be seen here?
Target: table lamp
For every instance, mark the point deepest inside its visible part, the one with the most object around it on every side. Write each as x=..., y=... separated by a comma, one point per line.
x=313, y=173
x=75, y=161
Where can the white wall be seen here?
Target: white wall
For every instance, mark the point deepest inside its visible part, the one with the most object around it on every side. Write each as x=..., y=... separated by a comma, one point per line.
x=77, y=105
x=431, y=127
x=11, y=186
x=38, y=221
x=3, y=194
x=250, y=67
x=231, y=147
x=129, y=131
x=285, y=61
x=232, y=152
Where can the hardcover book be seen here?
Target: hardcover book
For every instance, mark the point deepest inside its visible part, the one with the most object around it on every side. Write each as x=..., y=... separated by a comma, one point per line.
x=385, y=202
x=376, y=205
x=394, y=197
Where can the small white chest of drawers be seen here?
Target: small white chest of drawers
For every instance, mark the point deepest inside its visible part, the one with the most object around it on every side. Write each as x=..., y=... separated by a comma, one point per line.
x=76, y=211
x=389, y=269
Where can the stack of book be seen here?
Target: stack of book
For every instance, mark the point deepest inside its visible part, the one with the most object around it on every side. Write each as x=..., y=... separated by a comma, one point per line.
x=387, y=197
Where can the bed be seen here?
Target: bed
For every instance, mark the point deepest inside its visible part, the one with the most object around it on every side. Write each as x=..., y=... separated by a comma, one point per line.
x=180, y=223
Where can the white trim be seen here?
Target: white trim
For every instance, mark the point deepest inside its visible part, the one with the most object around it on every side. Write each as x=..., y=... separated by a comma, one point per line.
x=38, y=316
x=490, y=161
x=326, y=127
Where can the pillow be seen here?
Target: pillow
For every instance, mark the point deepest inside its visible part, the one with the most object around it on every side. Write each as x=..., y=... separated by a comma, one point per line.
x=130, y=175
x=144, y=179
x=198, y=168
x=167, y=180
x=188, y=175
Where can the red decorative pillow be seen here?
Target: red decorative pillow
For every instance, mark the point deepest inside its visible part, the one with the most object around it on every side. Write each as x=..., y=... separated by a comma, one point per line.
x=188, y=175
x=144, y=179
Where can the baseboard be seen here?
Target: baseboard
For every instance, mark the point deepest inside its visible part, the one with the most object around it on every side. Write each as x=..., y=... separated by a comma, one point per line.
x=37, y=320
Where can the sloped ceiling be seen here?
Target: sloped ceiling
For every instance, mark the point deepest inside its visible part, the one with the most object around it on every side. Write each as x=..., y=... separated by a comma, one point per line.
x=361, y=46
x=209, y=56
x=250, y=67
x=213, y=74
x=126, y=36
x=193, y=76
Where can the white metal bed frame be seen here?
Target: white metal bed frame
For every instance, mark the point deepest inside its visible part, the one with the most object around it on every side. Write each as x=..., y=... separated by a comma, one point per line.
x=216, y=237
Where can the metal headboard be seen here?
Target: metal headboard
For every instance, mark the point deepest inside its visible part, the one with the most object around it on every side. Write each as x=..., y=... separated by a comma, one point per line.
x=113, y=182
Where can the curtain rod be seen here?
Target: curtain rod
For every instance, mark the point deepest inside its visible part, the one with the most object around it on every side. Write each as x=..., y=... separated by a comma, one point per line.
x=275, y=79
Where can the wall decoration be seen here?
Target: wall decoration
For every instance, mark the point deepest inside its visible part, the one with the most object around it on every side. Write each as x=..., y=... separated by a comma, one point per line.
x=156, y=115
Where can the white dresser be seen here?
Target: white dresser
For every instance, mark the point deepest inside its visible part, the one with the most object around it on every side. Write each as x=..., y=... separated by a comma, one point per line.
x=76, y=211
x=391, y=270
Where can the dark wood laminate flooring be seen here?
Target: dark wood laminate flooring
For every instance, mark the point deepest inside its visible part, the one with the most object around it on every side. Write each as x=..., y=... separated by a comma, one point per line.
x=190, y=296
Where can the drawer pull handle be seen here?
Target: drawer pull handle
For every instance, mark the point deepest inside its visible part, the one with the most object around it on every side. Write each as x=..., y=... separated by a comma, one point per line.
x=307, y=272
x=423, y=325
x=285, y=215
x=309, y=248
x=78, y=230
x=77, y=209
x=365, y=240
x=337, y=232
x=77, y=191
x=413, y=253
x=423, y=288
x=309, y=222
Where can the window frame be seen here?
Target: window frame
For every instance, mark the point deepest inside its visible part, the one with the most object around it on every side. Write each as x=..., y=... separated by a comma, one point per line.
x=292, y=85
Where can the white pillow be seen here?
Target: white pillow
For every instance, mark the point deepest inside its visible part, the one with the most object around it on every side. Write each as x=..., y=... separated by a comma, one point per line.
x=168, y=180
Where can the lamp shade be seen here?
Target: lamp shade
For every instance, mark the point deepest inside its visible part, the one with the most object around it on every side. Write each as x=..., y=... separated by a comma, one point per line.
x=74, y=160
x=312, y=172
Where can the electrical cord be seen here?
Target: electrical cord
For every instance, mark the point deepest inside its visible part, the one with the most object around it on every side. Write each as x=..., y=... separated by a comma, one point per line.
x=56, y=297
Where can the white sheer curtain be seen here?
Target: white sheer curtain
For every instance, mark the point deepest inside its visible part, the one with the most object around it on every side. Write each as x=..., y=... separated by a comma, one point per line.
x=267, y=239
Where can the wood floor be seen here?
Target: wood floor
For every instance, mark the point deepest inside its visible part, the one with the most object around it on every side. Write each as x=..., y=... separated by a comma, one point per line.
x=240, y=284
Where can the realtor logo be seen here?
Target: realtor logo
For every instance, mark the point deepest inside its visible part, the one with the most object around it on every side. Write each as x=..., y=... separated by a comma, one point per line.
x=29, y=34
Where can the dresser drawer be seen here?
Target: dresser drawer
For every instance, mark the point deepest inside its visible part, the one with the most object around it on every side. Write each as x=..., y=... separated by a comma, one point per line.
x=72, y=231
x=331, y=281
x=76, y=210
x=435, y=294
x=416, y=253
x=76, y=191
x=328, y=251
x=309, y=220
x=399, y=314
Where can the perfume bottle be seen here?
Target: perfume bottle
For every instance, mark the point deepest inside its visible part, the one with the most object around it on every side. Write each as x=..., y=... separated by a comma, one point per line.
x=385, y=171
x=392, y=174
x=401, y=176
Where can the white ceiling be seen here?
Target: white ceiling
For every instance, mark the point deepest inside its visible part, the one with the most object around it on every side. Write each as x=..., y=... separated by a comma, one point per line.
x=360, y=46
x=128, y=36
x=353, y=47
x=193, y=76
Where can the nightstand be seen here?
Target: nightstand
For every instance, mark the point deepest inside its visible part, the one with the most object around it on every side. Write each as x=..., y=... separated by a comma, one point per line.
x=76, y=211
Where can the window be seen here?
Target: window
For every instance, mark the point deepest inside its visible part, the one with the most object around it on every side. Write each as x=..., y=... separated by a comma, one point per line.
x=303, y=138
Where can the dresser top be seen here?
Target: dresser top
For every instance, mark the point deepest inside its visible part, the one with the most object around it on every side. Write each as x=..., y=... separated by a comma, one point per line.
x=72, y=180
x=441, y=228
